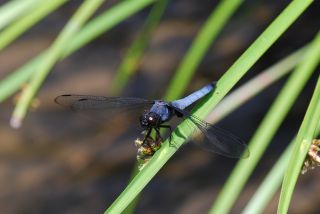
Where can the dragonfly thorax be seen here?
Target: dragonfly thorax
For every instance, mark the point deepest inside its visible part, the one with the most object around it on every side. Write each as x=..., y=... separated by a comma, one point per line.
x=150, y=119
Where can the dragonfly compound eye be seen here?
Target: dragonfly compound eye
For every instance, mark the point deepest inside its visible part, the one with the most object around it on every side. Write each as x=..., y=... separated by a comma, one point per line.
x=153, y=119
x=149, y=119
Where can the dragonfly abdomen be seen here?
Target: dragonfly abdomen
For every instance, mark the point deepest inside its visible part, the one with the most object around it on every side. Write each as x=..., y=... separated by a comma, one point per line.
x=188, y=100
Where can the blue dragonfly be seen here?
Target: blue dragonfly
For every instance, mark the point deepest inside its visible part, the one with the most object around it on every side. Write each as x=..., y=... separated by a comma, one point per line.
x=155, y=113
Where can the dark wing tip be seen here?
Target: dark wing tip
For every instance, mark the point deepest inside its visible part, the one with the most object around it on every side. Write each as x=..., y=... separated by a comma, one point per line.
x=64, y=100
x=83, y=99
x=59, y=97
x=56, y=100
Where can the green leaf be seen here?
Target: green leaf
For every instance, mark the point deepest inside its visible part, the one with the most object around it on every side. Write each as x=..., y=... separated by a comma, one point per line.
x=306, y=132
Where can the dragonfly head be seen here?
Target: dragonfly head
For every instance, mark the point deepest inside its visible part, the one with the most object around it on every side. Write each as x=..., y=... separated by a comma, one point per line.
x=150, y=119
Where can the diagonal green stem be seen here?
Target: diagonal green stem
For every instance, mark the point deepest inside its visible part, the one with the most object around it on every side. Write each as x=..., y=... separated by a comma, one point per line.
x=300, y=149
x=14, y=9
x=199, y=47
x=271, y=183
x=262, y=138
x=306, y=132
x=253, y=53
x=20, y=26
x=210, y=30
x=255, y=86
x=130, y=64
x=228, y=80
x=93, y=29
x=53, y=54
x=241, y=95
x=133, y=57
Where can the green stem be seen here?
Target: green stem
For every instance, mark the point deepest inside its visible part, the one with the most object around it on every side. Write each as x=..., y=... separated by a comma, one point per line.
x=130, y=64
x=269, y=186
x=241, y=95
x=27, y=21
x=271, y=183
x=132, y=59
x=199, y=47
x=224, y=85
x=132, y=206
x=14, y=9
x=301, y=147
x=254, y=52
x=262, y=138
x=93, y=29
x=306, y=132
x=255, y=86
x=105, y=22
x=53, y=54
x=210, y=30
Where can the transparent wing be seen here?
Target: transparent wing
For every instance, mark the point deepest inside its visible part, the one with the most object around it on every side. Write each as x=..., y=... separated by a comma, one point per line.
x=89, y=102
x=104, y=108
x=215, y=139
x=220, y=141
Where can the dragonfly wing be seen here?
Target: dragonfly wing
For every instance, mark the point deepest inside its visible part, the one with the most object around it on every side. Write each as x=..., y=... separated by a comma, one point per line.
x=104, y=108
x=88, y=102
x=215, y=139
x=219, y=141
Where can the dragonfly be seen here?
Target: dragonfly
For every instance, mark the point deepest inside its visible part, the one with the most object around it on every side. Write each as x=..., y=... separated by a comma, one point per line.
x=154, y=115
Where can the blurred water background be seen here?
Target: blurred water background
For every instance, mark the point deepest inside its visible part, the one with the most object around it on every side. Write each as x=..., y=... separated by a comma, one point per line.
x=58, y=162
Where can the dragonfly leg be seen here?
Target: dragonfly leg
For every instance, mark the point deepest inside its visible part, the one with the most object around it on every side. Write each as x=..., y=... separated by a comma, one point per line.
x=147, y=136
x=158, y=137
x=168, y=127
